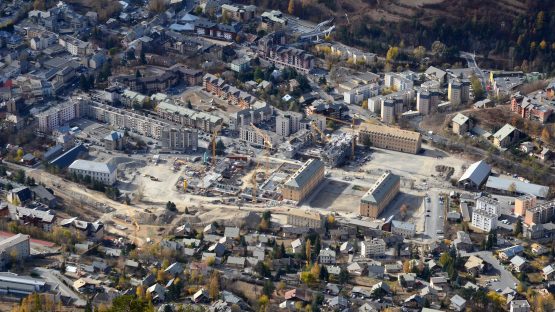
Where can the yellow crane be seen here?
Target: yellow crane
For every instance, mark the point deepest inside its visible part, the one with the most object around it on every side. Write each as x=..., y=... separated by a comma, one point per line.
x=267, y=144
x=352, y=124
x=319, y=131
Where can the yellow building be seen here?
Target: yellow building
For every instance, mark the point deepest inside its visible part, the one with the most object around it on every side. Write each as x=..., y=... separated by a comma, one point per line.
x=303, y=218
x=391, y=138
x=303, y=181
x=380, y=195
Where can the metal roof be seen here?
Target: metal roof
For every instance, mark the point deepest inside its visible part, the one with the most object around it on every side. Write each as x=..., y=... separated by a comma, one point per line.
x=520, y=187
x=305, y=173
x=93, y=166
x=505, y=131
x=380, y=189
x=460, y=119
x=477, y=172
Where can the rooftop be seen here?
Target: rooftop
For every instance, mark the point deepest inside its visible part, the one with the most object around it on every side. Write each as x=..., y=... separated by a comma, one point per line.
x=93, y=166
x=301, y=177
x=411, y=135
x=379, y=190
x=504, y=184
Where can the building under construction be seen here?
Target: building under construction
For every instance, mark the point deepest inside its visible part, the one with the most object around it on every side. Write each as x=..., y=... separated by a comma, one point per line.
x=337, y=150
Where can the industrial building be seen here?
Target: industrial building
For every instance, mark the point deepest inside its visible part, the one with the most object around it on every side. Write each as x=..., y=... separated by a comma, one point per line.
x=13, y=284
x=391, y=138
x=380, y=195
x=97, y=171
x=304, y=180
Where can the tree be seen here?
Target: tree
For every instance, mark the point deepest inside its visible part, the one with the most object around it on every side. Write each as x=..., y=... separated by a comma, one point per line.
x=268, y=288
x=138, y=73
x=445, y=259
x=343, y=276
x=263, y=302
x=142, y=57
x=518, y=227
x=439, y=48
x=391, y=54
x=477, y=88
x=220, y=147
x=171, y=206
x=308, y=251
x=419, y=52
x=546, y=135
x=157, y=6
x=214, y=286
x=291, y=8
x=403, y=211
x=406, y=266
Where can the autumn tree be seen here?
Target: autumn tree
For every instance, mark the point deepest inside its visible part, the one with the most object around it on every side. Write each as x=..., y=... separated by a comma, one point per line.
x=39, y=5
x=406, y=266
x=292, y=7
x=157, y=6
x=308, y=251
x=214, y=286
x=419, y=52
x=391, y=54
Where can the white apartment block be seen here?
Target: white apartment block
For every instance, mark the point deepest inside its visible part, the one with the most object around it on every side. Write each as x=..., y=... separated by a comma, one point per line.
x=360, y=93
x=487, y=204
x=288, y=123
x=397, y=82
x=327, y=256
x=484, y=220
x=373, y=247
x=59, y=115
x=97, y=171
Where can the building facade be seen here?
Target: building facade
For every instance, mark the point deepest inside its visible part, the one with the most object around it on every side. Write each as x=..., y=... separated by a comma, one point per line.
x=303, y=218
x=299, y=185
x=379, y=195
x=391, y=138
x=372, y=247
x=99, y=172
x=524, y=203
x=59, y=115
x=484, y=220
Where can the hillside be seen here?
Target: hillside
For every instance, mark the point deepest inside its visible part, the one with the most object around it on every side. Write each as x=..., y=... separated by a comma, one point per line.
x=507, y=30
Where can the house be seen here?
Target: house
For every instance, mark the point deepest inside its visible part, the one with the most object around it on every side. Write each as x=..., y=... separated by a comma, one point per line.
x=19, y=196
x=354, y=268
x=338, y=303
x=474, y=265
x=548, y=272
x=296, y=245
x=457, y=303
x=438, y=282
x=333, y=269
x=506, y=136
x=461, y=124
x=406, y=280
x=404, y=229
x=518, y=263
x=297, y=295
x=44, y=196
x=157, y=292
x=537, y=249
x=174, y=269
x=86, y=285
x=519, y=306
x=346, y=248
x=509, y=252
x=218, y=249
x=463, y=242
x=232, y=232
x=201, y=296
x=327, y=256
x=332, y=289
x=236, y=262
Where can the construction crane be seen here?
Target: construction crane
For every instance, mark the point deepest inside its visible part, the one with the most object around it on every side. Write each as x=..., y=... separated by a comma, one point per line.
x=352, y=124
x=267, y=144
x=319, y=131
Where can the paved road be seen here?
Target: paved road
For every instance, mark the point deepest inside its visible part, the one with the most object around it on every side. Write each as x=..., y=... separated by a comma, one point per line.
x=471, y=60
x=506, y=278
x=54, y=277
x=434, y=222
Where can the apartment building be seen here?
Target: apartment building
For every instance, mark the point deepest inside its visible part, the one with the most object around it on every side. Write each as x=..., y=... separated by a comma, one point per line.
x=257, y=137
x=257, y=113
x=506, y=136
x=388, y=111
x=299, y=185
x=405, y=96
x=97, y=171
x=238, y=13
x=461, y=124
x=231, y=94
x=524, y=203
x=379, y=195
x=356, y=94
x=405, y=229
x=427, y=101
x=540, y=214
x=179, y=139
x=372, y=247
x=283, y=56
x=288, y=123
x=305, y=218
x=189, y=118
x=484, y=220
x=17, y=246
x=59, y=115
x=458, y=92
x=75, y=46
x=391, y=138
x=531, y=108
x=397, y=82
x=488, y=204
